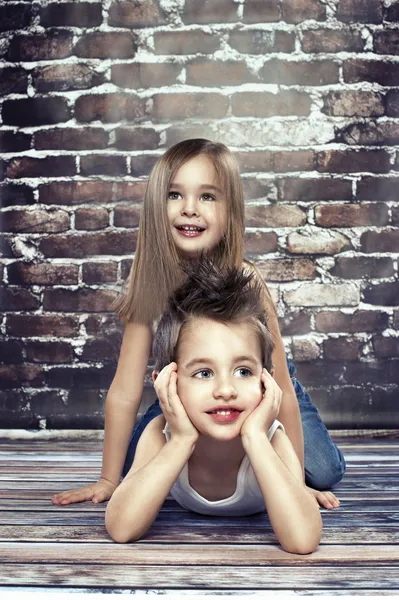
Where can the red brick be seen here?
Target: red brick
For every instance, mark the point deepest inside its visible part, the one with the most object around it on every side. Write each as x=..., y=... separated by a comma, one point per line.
x=103, y=325
x=352, y=11
x=259, y=242
x=370, y=134
x=376, y=371
x=177, y=133
x=186, y=106
x=135, y=14
x=211, y=11
x=56, y=166
x=51, y=45
x=392, y=12
x=6, y=250
x=126, y=266
x=36, y=221
x=136, y=138
x=309, y=190
x=256, y=188
x=375, y=71
x=381, y=188
x=106, y=45
x=320, y=373
x=341, y=161
x=217, y=73
x=101, y=349
x=295, y=11
x=82, y=192
x=382, y=294
x=295, y=323
x=317, y=242
x=15, y=376
x=305, y=350
x=332, y=40
x=142, y=75
x=11, y=352
x=353, y=103
x=96, y=273
x=73, y=14
x=351, y=215
x=276, y=161
x=14, y=299
x=261, y=11
x=42, y=325
x=185, y=42
x=280, y=215
x=385, y=347
x=384, y=241
x=49, y=352
x=42, y=274
x=13, y=81
x=18, y=194
x=35, y=111
x=342, y=348
x=395, y=216
x=261, y=41
x=91, y=218
x=71, y=138
x=109, y=107
x=14, y=141
x=82, y=300
x=282, y=269
x=15, y=16
x=360, y=267
x=142, y=165
x=320, y=72
x=360, y=320
x=103, y=164
x=127, y=216
x=112, y=243
x=265, y=104
x=66, y=77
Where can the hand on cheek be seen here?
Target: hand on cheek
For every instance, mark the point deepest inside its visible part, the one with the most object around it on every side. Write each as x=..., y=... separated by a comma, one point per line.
x=260, y=420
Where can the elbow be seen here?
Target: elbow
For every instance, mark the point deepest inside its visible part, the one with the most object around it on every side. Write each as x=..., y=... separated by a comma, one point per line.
x=301, y=546
x=304, y=542
x=118, y=529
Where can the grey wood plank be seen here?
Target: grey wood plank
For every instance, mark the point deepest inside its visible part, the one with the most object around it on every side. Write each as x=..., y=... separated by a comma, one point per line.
x=192, y=577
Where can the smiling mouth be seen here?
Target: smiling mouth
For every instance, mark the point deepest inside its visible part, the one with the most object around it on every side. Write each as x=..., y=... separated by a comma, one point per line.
x=223, y=412
x=190, y=228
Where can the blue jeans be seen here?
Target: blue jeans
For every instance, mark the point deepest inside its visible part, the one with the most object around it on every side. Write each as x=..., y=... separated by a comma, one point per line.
x=324, y=462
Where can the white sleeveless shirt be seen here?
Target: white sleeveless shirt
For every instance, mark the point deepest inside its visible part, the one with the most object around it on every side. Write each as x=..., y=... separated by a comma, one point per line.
x=246, y=500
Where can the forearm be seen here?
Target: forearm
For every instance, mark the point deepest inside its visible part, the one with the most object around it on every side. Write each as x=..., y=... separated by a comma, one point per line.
x=137, y=501
x=120, y=417
x=290, y=417
x=293, y=512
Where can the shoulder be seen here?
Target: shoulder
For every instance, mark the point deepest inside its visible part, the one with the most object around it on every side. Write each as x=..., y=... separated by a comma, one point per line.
x=150, y=443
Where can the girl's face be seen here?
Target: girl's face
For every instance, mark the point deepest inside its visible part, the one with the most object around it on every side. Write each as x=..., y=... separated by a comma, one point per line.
x=219, y=370
x=196, y=207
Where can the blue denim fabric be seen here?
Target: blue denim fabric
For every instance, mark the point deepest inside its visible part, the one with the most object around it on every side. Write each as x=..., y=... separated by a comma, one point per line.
x=324, y=462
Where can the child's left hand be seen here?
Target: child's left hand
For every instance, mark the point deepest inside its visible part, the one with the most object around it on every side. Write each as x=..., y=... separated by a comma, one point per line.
x=325, y=499
x=260, y=420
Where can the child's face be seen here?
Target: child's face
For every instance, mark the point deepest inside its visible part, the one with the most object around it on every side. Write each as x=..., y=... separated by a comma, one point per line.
x=196, y=207
x=219, y=371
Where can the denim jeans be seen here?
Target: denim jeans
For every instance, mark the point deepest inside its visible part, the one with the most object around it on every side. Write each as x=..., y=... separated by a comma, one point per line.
x=324, y=462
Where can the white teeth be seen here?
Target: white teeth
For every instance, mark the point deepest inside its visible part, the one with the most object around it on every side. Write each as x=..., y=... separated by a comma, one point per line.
x=190, y=228
x=223, y=412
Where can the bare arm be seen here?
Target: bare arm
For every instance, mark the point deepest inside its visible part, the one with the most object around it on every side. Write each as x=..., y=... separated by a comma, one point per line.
x=122, y=403
x=136, y=502
x=293, y=512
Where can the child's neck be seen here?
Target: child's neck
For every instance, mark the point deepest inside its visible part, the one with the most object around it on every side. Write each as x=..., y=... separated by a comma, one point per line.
x=210, y=451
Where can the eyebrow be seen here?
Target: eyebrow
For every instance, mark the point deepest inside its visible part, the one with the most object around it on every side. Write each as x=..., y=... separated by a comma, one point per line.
x=203, y=186
x=208, y=361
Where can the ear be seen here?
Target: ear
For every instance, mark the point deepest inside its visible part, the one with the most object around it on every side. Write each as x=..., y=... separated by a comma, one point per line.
x=272, y=371
x=154, y=375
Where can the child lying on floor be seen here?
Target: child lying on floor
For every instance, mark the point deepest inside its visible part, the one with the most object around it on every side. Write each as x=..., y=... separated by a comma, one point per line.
x=217, y=447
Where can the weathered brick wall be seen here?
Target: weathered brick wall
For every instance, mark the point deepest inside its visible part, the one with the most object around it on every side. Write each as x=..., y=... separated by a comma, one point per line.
x=306, y=92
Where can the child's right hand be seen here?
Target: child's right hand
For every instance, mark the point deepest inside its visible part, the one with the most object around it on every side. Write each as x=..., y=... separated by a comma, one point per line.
x=172, y=408
x=100, y=491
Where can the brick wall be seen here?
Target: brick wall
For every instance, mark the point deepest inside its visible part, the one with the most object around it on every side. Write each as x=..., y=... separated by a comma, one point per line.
x=306, y=92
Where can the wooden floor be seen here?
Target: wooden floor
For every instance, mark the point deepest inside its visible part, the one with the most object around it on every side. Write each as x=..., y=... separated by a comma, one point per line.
x=48, y=548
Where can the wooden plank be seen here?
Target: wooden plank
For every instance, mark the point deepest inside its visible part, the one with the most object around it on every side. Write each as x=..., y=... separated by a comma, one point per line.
x=195, y=533
x=191, y=577
x=190, y=554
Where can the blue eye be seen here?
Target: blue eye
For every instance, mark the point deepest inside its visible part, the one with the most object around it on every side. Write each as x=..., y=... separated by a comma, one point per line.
x=243, y=372
x=203, y=374
x=173, y=196
x=207, y=197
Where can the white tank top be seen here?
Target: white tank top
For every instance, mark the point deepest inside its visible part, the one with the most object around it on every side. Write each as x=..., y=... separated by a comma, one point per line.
x=246, y=500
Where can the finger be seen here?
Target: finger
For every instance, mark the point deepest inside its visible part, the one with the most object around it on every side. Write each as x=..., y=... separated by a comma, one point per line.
x=324, y=501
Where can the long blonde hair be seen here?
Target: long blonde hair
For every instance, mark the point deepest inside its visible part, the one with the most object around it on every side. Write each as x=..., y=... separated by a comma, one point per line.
x=156, y=270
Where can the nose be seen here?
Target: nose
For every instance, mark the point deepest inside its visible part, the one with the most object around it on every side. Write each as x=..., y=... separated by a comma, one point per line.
x=225, y=389
x=189, y=208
